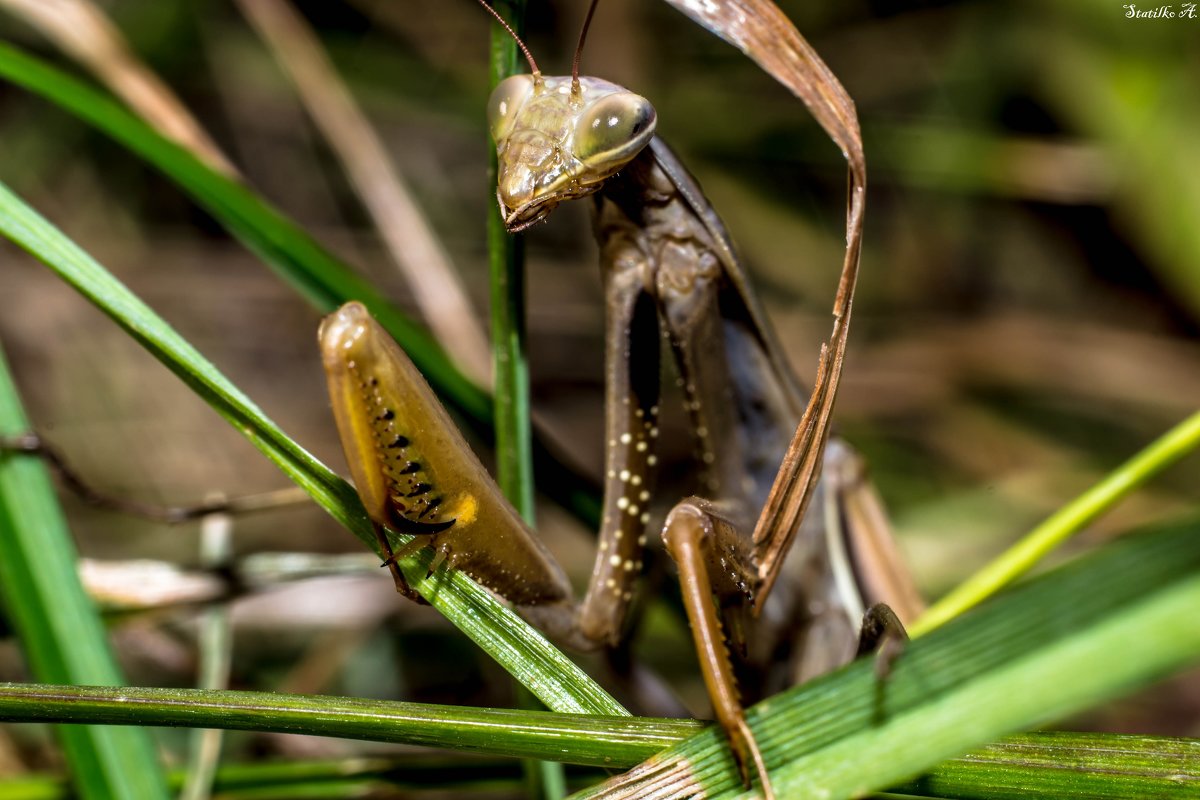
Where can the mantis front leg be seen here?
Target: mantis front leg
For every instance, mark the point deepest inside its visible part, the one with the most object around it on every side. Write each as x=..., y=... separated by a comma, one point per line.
x=706, y=548
x=631, y=427
x=717, y=575
x=414, y=471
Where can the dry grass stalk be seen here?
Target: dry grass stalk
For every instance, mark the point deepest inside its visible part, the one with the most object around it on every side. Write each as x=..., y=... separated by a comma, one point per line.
x=407, y=234
x=80, y=29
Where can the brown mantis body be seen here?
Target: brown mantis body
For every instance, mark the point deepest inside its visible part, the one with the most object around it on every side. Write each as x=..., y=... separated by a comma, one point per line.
x=669, y=270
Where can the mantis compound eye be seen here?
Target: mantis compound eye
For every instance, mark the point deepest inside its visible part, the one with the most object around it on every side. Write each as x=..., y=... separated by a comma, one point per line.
x=506, y=100
x=614, y=129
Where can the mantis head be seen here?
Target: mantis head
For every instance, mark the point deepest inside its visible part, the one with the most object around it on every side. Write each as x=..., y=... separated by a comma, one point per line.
x=559, y=138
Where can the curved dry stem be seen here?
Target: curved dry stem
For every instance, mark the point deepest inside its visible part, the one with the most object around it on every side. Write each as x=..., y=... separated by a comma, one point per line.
x=81, y=30
x=409, y=238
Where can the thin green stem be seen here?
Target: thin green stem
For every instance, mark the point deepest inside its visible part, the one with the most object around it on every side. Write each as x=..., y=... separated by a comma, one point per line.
x=1068, y=520
x=514, y=455
x=216, y=656
x=578, y=738
x=506, y=255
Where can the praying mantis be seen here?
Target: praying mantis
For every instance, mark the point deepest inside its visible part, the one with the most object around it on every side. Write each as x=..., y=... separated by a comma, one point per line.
x=817, y=505
x=670, y=271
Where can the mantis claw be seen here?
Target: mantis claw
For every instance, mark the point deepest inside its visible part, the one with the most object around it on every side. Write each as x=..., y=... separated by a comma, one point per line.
x=882, y=633
x=414, y=472
x=745, y=752
x=390, y=562
x=438, y=558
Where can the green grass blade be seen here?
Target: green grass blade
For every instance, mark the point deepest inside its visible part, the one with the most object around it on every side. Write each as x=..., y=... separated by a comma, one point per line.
x=550, y=675
x=574, y=738
x=1053, y=764
x=295, y=255
x=61, y=635
x=1101, y=626
x=1064, y=523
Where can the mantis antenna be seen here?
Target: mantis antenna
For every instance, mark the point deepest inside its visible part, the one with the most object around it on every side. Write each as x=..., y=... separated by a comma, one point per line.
x=533, y=67
x=587, y=21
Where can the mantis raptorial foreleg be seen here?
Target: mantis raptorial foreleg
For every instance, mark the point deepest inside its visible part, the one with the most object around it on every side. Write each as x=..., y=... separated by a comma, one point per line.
x=711, y=556
x=414, y=471
x=631, y=408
